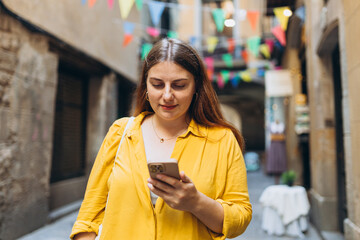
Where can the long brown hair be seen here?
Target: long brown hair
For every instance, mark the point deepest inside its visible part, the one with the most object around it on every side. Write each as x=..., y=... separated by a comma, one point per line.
x=204, y=108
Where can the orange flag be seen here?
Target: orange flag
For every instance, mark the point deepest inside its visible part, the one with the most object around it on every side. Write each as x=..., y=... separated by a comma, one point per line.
x=92, y=3
x=231, y=45
x=127, y=39
x=253, y=17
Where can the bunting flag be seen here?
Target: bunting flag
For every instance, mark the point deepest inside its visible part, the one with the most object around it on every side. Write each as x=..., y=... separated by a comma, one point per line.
x=128, y=27
x=264, y=49
x=270, y=43
x=172, y=34
x=231, y=45
x=211, y=42
x=127, y=39
x=110, y=4
x=220, y=81
x=125, y=7
x=91, y=3
x=209, y=61
x=253, y=45
x=300, y=12
x=145, y=49
x=260, y=72
x=154, y=32
x=228, y=59
x=245, y=76
x=139, y=4
x=210, y=74
x=156, y=10
x=83, y=2
x=219, y=18
x=253, y=17
x=279, y=13
x=279, y=34
x=235, y=80
x=225, y=74
x=241, y=14
x=192, y=40
x=244, y=55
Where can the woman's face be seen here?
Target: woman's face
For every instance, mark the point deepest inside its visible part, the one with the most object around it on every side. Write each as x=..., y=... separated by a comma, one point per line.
x=170, y=90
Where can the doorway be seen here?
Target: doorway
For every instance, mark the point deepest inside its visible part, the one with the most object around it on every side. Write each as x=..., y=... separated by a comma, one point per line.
x=339, y=137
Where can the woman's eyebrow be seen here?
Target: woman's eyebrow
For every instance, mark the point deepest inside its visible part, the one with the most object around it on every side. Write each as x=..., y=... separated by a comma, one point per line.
x=176, y=80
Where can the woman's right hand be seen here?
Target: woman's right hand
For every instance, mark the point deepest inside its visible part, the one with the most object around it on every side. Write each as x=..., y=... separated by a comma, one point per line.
x=85, y=236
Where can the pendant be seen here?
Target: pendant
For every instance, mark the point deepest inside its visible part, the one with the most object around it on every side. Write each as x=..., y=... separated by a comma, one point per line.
x=161, y=140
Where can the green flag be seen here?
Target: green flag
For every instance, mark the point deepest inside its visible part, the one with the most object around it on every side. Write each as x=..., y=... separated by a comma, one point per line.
x=228, y=59
x=219, y=17
x=145, y=49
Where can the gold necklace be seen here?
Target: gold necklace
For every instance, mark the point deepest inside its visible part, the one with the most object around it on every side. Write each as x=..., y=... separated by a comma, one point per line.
x=160, y=138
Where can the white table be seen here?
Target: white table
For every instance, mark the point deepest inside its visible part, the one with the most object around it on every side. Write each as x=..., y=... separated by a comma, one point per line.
x=285, y=210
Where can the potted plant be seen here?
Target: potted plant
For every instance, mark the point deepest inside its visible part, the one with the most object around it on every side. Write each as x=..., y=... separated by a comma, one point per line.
x=288, y=177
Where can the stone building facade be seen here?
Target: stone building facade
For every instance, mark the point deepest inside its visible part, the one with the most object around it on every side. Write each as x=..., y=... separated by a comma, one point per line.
x=333, y=65
x=57, y=102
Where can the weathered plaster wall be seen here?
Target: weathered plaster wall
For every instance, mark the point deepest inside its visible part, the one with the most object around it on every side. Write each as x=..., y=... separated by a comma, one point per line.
x=28, y=77
x=96, y=31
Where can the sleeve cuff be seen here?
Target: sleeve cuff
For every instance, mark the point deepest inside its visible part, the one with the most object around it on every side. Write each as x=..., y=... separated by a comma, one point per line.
x=84, y=226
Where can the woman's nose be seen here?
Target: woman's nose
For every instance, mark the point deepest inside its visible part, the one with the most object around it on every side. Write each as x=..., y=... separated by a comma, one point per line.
x=168, y=94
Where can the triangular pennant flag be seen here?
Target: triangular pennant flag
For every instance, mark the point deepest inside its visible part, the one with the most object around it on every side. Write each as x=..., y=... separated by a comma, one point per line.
x=172, y=34
x=270, y=43
x=83, y=2
x=253, y=44
x=145, y=49
x=91, y=3
x=219, y=17
x=210, y=73
x=128, y=27
x=279, y=34
x=156, y=9
x=253, y=17
x=225, y=75
x=127, y=39
x=264, y=49
x=125, y=7
x=241, y=14
x=300, y=12
x=228, y=59
x=110, y=4
x=220, y=81
x=260, y=72
x=154, y=32
x=279, y=13
x=192, y=40
x=244, y=55
x=211, y=42
x=139, y=4
x=231, y=45
x=235, y=81
x=245, y=76
x=209, y=61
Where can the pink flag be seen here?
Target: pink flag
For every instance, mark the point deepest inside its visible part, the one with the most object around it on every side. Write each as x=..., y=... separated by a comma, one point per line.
x=279, y=34
x=154, y=32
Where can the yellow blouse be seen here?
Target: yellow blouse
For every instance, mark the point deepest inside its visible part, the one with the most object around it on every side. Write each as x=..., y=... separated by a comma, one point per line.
x=211, y=157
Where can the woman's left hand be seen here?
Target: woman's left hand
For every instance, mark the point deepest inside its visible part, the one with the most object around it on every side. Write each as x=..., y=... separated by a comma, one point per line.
x=180, y=195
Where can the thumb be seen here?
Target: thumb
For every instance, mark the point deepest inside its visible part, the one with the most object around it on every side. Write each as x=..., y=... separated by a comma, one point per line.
x=184, y=178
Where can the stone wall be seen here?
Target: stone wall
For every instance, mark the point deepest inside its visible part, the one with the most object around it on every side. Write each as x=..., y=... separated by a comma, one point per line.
x=351, y=72
x=28, y=76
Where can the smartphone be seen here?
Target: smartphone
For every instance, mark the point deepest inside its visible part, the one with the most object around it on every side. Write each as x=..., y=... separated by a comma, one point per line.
x=167, y=167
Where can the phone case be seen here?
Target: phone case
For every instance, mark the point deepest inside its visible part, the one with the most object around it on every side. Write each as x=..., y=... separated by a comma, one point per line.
x=166, y=167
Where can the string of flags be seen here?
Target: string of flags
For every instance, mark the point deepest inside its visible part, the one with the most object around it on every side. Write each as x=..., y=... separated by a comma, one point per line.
x=253, y=45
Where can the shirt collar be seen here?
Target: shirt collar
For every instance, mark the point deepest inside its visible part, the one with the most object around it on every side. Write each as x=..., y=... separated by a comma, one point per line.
x=195, y=128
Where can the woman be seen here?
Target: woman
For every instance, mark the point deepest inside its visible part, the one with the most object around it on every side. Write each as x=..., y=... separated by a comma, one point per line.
x=178, y=117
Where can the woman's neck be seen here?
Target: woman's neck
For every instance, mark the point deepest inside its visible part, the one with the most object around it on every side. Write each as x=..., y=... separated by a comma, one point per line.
x=170, y=128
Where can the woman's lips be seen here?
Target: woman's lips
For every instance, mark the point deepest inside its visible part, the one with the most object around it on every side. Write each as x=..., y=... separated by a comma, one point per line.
x=168, y=107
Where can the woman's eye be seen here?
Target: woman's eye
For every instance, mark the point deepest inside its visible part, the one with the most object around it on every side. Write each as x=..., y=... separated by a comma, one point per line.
x=179, y=86
x=157, y=85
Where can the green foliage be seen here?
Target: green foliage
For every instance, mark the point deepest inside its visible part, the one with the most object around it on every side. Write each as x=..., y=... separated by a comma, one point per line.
x=288, y=177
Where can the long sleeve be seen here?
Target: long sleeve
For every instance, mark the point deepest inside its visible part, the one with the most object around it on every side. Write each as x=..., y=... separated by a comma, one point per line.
x=92, y=208
x=235, y=199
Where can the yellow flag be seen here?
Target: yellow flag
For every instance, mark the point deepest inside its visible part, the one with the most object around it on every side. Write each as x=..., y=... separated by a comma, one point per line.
x=125, y=7
x=279, y=13
x=265, y=50
x=211, y=42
